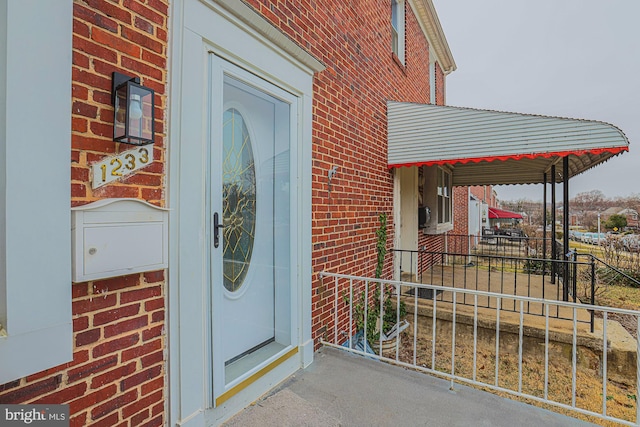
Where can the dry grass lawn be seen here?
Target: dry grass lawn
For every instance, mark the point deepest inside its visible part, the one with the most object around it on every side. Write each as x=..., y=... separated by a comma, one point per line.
x=620, y=399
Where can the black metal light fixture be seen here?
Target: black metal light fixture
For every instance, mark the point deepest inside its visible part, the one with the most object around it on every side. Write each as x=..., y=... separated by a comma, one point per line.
x=133, y=110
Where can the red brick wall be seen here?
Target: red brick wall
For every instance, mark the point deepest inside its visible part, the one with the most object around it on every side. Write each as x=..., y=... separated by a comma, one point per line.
x=117, y=375
x=118, y=370
x=454, y=241
x=479, y=191
x=460, y=211
x=485, y=193
x=353, y=40
x=128, y=36
x=431, y=246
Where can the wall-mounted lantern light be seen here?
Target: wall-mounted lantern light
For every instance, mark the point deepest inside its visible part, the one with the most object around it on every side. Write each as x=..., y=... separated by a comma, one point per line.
x=134, y=110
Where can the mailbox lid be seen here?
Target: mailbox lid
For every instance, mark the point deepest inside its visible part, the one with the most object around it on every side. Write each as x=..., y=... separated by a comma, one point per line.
x=114, y=237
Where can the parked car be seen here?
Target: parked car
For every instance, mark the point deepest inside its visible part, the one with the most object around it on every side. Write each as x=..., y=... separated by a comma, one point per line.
x=598, y=238
x=576, y=235
x=587, y=237
x=631, y=242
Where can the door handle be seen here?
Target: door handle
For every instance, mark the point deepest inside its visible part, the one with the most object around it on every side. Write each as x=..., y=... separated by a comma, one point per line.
x=217, y=225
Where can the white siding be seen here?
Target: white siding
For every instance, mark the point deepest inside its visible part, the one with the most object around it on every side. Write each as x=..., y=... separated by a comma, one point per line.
x=35, y=139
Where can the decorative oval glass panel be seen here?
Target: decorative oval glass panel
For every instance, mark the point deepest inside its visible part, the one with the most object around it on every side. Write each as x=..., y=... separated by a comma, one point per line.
x=238, y=199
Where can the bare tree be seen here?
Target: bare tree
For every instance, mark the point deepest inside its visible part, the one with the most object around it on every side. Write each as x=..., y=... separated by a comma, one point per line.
x=593, y=200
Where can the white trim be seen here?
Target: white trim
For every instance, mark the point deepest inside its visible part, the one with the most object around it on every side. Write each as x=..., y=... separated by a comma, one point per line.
x=268, y=32
x=430, y=199
x=234, y=32
x=397, y=239
x=35, y=87
x=432, y=76
x=400, y=6
x=406, y=218
x=430, y=24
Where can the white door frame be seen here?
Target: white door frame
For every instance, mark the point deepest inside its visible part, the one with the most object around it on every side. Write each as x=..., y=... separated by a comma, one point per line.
x=405, y=213
x=233, y=31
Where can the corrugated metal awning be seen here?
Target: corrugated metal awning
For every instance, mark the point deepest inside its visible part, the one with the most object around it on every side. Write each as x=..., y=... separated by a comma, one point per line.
x=490, y=147
x=495, y=213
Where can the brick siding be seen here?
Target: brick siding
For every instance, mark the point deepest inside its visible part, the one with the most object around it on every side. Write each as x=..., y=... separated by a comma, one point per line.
x=117, y=375
x=353, y=40
x=460, y=211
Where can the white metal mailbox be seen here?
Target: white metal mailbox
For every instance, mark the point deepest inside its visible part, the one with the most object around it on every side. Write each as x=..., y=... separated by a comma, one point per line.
x=114, y=237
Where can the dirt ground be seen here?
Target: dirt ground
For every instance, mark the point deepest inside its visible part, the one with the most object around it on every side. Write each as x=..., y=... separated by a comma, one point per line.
x=622, y=297
x=620, y=399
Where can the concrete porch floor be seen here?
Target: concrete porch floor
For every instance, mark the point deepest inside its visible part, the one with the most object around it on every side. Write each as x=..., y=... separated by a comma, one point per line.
x=341, y=389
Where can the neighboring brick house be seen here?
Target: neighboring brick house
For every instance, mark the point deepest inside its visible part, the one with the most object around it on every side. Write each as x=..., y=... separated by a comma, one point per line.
x=630, y=214
x=159, y=347
x=470, y=208
x=632, y=217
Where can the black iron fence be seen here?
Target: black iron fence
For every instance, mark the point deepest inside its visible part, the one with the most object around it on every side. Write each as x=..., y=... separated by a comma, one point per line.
x=512, y=243
x=513, y=263
x=543, y=278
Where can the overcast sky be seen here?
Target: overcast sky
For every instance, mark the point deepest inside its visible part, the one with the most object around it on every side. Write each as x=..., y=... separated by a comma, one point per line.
x=568, y=58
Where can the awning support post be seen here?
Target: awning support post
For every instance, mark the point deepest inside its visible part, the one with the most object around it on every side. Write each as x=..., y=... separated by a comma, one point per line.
x=565, y=227
x=554, y=255
x=544, y=227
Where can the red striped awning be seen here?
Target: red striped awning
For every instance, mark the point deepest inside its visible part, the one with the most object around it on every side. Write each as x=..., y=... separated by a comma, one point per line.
x=495, y=213
x=484, y=147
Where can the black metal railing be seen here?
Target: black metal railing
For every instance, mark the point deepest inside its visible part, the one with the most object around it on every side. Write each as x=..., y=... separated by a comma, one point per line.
x=544, y=278
x=496, y=242
x=509, y=261
x=604, y=274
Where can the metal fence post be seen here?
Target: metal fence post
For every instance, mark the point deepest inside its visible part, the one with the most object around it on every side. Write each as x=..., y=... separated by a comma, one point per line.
x=593, y=289
x=575, y=276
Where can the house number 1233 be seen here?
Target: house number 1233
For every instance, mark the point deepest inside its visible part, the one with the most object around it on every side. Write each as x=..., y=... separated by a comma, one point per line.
x=116, y=167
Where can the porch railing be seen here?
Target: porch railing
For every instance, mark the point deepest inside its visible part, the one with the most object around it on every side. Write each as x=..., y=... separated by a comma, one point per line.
x=499, y=242
x=512, y=275
x=605, y=273
x=556, y=362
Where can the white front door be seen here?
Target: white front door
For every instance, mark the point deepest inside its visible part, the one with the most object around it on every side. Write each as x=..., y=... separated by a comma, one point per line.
x=250, y=227
x=209, y=324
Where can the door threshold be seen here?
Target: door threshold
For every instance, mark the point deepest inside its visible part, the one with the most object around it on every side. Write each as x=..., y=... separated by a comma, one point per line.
x=274, y=348
x=250, y=361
